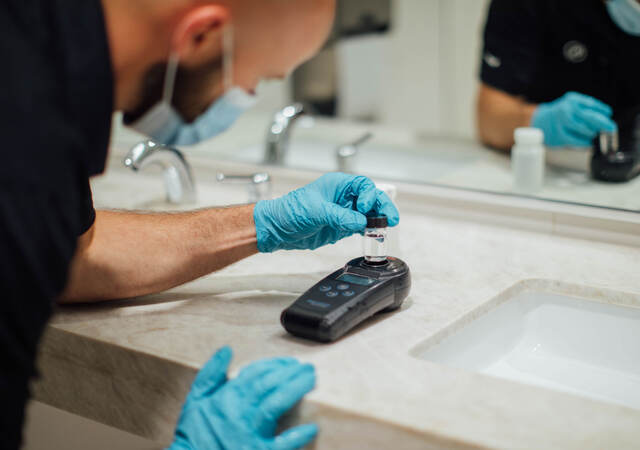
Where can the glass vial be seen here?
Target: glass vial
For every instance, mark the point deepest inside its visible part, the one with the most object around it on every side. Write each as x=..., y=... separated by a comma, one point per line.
x=609, y=142
x=375, y=240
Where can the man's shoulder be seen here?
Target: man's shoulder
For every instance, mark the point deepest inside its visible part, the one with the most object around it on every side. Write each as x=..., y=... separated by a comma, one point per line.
x=55, y=107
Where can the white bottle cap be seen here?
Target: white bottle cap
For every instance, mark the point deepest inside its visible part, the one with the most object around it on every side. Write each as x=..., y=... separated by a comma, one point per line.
x=528, y=136
x=389, y=189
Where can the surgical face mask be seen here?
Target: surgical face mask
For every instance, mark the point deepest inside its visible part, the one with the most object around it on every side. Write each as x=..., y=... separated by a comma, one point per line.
x=626, y=14
x=164, y=124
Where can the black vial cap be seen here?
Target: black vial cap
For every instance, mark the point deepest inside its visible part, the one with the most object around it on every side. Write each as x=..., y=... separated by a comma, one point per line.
x=377, y=221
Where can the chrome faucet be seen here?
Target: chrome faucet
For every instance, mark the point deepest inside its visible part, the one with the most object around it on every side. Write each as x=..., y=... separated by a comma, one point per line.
x=346, y=154
x=178, y=178
x=277, y=141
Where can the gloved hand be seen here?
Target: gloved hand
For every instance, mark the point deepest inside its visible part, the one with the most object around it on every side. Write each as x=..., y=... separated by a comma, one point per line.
x=323, y=212
x=242, y=413
x=573, y=120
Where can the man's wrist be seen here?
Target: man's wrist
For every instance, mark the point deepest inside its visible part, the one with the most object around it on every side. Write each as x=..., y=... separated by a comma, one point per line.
x=527, y=112
x=261, y=220
x=226, y=229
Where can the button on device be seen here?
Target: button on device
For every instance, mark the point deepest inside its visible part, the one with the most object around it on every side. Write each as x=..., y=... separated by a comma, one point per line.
x=325, y=288
x=343, y=287
x=348, y=293
x=318, y=304
x=332, y=294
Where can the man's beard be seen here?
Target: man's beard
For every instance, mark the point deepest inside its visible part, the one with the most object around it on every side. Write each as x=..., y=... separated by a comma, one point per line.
x=191, y=93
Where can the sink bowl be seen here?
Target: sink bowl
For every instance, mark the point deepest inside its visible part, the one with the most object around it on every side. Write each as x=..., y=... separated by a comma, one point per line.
x=556, y=341
x=145, y=191
x=377, y=160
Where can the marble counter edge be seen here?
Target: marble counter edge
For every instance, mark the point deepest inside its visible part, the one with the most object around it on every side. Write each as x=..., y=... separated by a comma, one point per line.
x=118, y=386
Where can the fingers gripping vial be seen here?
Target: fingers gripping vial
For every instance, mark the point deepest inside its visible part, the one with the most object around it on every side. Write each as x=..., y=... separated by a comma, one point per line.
x=330, y=209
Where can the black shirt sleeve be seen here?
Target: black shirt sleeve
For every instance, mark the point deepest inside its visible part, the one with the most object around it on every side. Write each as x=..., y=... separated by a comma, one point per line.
x=512, y=45
x=87, y=211
x=39, y=226
x=37, y=241
x=55, y=107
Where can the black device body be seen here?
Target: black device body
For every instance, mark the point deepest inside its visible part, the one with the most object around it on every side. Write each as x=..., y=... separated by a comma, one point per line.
x=346, y=298
x=624, y=164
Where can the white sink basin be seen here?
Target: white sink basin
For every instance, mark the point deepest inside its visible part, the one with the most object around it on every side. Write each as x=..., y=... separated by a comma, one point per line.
x=376, y=160
x=124, y=189
x=560, y=342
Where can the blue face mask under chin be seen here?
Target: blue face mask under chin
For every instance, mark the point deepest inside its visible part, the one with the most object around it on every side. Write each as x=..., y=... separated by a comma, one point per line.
x=626, y=14
x=163, y=123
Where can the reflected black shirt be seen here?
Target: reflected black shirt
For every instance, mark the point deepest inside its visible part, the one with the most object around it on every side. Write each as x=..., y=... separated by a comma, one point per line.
x=56, y=100
x=541, y=49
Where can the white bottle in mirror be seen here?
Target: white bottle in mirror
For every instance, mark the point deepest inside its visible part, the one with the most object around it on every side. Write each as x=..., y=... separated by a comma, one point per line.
x=527, y=160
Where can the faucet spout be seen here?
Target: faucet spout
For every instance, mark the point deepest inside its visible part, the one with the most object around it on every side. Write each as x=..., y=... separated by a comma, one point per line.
x=346, y=154
x=277, y=141
x=178, y=177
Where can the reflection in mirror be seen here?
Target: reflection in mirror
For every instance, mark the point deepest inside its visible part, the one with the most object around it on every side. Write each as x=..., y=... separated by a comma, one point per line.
x=442, y=85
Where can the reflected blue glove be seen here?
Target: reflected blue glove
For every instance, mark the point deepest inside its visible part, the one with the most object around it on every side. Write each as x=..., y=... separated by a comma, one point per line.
x=573, y=120
x=242, y=413
x=323, y=212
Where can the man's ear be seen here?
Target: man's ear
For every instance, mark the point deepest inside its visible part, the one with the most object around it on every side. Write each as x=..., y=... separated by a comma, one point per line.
x=198, y=36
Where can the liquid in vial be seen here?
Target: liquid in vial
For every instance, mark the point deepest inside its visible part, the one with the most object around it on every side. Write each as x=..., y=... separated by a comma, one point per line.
x=375, y=236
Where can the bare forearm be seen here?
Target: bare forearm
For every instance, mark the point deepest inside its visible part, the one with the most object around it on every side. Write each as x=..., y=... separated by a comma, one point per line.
x=498, y=115
x=131, y=254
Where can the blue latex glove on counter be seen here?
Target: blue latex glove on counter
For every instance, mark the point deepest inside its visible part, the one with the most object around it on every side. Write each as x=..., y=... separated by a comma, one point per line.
x=573, y=120
x=242, y=413
x=323, y=212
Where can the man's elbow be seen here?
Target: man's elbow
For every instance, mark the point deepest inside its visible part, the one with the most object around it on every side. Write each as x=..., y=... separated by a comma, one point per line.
x=492, y=137
x=67, y=297
x=488, y=131
x=70, y=297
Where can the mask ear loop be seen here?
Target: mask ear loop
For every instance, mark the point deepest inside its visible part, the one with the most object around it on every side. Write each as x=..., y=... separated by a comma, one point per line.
x=227, y=57
x=170, y=77
x=227, y=66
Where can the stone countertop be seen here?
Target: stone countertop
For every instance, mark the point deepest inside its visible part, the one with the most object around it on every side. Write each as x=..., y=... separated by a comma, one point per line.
x=129, y=363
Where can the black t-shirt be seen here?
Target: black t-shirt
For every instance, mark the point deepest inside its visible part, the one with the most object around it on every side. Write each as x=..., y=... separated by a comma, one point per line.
x=56, y=100
x=541, y=49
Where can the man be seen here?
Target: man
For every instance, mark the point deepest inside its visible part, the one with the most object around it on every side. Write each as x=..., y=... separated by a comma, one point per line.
x=182, y=71
x=568, y=67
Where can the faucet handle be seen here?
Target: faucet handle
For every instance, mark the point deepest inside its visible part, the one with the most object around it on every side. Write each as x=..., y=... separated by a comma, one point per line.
x=346, y=153
x=258, y=184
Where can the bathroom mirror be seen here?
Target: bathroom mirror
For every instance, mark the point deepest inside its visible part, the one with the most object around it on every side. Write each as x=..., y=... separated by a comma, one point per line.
x=408, y=73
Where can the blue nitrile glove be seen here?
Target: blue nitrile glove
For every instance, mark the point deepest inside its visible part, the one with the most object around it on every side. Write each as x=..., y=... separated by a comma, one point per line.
x=242, y=413
x=320, y=213
x=573, y=120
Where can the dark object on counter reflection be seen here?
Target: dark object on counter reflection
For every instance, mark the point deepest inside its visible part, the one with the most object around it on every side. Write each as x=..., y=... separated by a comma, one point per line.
x=616, y=156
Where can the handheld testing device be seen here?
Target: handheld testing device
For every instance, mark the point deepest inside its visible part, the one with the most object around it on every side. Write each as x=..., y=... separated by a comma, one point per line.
x=616, y=155
x=363, y=287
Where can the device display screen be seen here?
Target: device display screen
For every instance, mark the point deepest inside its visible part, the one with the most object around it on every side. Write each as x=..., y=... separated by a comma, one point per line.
x=356, y=279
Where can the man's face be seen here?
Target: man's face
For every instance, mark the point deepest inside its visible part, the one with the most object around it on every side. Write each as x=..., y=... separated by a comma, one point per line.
x=270, y=39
